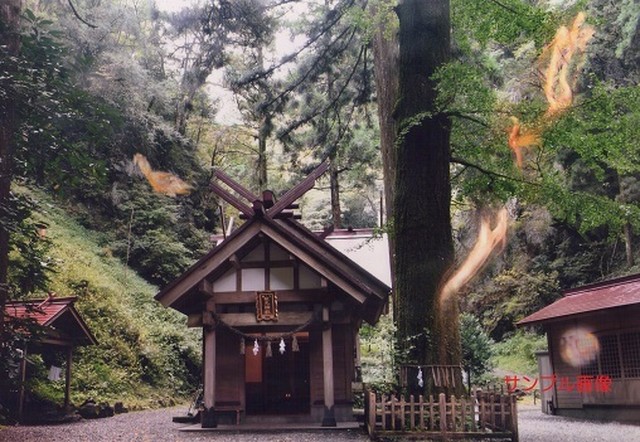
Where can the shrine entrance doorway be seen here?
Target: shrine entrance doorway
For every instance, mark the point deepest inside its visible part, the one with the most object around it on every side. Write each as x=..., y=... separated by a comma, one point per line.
x=278, y=384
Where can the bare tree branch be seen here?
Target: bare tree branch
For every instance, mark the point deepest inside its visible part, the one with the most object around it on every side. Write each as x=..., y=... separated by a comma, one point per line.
x=487, y=172
x=75, y=12
x=305, y=119
x=291, y=57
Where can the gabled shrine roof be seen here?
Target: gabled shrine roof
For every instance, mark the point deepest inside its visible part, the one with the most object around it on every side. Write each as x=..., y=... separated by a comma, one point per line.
x=619, y=292
x=268, y=218
x=315, y=252
x=56, y=314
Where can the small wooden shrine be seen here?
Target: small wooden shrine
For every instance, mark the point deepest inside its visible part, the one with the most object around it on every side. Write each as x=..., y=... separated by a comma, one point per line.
x=592, y=366
x=61, y=330
x=280, y=310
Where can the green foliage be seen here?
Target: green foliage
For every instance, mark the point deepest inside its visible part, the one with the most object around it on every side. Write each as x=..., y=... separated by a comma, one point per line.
x=59, y=124
x=504, y=22
x=78, y=141
x=463, y=89
x=377, y=354
x=29, y=259
x=359, y=211
x=517, y=354
x=602, y=129
x=377, y=13
x=477, y=346
x=141, y=345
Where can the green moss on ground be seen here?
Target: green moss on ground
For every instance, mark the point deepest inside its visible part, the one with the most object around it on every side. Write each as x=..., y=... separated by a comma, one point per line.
x=145, y=355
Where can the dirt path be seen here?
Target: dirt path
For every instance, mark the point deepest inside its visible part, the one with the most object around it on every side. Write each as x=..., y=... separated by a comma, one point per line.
x=156, y=426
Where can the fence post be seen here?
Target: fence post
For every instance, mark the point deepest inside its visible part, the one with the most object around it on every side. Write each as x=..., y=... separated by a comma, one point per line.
x=454, y=425
x=480, y=398
x=412, y=413
x=514, y=419
x=463, y=414
x=432, y=416
x=421, y=399
x=443, y=412
x=393, y=411
x=492, y=410
x=383, y=411
x=372, y=413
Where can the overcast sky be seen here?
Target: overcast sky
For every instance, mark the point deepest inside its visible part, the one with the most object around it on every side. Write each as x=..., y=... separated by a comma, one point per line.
x=173, y=5
x=228, y=112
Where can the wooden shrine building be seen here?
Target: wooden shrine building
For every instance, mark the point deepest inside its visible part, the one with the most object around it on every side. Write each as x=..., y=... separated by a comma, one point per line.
x=61, y=329
x=280, y=310
x=592, y=367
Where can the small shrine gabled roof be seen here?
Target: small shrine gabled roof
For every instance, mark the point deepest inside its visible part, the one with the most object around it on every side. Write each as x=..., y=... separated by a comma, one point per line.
x=49, y=312
x=367, y=290
x=605, y=295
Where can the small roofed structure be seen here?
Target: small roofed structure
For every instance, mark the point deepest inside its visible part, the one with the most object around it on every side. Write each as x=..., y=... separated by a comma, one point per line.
x=592, y=367
x=61, y=328
x=280, y=310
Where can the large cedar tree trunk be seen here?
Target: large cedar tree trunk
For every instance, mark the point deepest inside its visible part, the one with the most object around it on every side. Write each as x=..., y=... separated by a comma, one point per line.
x=9, y=48
x=385, y=55
x=428, y=332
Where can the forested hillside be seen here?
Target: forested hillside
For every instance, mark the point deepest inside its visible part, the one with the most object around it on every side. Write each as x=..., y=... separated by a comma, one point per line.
x=85, y=89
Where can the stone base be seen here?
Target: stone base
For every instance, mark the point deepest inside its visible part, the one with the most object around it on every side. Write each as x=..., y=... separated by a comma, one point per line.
x=341, y=413
x=329, y=418
x=208, y=418
x=613, y=413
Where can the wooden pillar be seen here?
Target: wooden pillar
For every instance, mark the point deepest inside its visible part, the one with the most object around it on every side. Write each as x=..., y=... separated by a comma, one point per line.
x=67, y=377
x=208, y=414
x=23, y=378
x=357, y=375
x=329, y=419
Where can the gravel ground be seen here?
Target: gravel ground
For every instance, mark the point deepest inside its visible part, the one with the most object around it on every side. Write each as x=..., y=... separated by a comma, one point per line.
x=156, y=426
x=535, y=426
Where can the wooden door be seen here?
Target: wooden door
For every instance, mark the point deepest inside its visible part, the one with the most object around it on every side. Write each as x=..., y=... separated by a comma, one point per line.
x=278, y=384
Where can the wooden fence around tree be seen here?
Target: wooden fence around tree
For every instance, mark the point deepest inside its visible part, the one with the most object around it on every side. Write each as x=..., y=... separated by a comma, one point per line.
x=487, y=415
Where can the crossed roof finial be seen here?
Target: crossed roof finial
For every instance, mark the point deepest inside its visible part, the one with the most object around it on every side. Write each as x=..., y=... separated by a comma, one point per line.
x=251, y=205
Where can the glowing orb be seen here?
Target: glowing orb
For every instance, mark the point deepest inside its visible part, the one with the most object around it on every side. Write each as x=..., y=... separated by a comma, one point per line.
x=579, y=347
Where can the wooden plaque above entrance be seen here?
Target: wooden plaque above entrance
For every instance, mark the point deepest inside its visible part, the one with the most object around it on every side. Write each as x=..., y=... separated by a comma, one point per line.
x=266, y=306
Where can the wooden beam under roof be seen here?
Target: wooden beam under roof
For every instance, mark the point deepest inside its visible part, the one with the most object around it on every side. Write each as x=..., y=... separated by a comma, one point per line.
x=249, y=319
x=206, y=265
x=284, y=296
x=315, y=263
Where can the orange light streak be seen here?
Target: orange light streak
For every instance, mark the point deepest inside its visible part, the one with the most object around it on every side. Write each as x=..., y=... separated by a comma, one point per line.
x=565, y=55
x=560, y=77
x=161, y=182
x=520, y=140
x=489, y=241
x=562, y=71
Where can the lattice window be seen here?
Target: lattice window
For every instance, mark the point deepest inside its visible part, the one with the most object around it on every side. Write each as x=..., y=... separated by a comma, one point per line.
x=610, y=356
x=591, y=369
x=589, y=355
x=630, y=346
